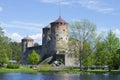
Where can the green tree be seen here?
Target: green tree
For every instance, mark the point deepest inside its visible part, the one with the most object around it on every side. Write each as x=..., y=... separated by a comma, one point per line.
x=99, y=51
x=83, y=32
x=116, y=59
x=111, y=44
x=88, y=55
x=36, y=44
x=99, y=54
x=3, y=57
x=4, y=45
x=13, y=49
x=33, y=58
x=15, y=53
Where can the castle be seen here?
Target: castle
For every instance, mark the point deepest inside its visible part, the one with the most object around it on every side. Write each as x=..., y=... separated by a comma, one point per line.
x=54, y=43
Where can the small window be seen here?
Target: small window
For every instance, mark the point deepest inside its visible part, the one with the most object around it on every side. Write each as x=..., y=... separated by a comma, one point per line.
x=57, y=27
x=66, y=38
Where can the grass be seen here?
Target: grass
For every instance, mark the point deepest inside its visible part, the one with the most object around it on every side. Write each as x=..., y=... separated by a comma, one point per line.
x=22, y=69
x=47, y=68
x=103, y=71
x=25, y=69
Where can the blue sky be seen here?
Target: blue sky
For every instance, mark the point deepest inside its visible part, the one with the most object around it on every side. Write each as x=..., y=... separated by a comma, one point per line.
x=20, y=18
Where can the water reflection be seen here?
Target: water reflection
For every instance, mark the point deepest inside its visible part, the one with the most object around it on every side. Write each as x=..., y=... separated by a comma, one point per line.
x=59, y=76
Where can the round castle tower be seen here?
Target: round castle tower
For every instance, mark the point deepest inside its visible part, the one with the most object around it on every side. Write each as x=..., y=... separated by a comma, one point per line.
x=59, y=35
x=26, y=43
x=46, y=36
x=46, y=40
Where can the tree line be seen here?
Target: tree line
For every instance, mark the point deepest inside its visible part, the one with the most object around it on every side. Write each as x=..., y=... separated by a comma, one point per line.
x=9, y=50
x=91, y=48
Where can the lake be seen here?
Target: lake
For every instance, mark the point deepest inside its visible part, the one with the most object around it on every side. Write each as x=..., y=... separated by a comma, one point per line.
x=59, y=76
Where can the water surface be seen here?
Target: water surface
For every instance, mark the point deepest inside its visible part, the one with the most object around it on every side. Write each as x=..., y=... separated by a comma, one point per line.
x=59, y=76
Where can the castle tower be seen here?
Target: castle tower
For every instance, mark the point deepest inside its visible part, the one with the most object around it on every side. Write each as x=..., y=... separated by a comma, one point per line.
x=46, y=39
x=59, y=35
x=26, y=43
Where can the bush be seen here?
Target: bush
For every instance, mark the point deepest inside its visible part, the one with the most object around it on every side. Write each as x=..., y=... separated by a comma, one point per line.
x=13, y=66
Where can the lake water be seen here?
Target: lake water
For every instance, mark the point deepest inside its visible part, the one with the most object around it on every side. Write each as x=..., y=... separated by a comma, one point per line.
x=59, y=76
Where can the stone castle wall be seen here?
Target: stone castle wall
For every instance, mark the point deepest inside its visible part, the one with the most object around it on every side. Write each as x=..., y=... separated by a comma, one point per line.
x=54, y=43
x=59, y=36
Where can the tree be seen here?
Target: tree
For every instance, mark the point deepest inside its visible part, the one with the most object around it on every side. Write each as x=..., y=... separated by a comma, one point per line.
x=116, y=59
x=4, y=47
x=83, y=34
x=111, y=44
x=36, y=44
x=3, y=57
x=13, y=49
x=15, y=53
x=33, y=58
x=99, y=51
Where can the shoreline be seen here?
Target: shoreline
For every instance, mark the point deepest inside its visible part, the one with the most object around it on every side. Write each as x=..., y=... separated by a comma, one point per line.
x=30, y=70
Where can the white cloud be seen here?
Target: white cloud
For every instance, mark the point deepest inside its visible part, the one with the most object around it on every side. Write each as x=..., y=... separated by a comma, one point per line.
x=14, y=36
x=117, y=31
x=62, y=2
x=17, y=37
x=36, y=36
x=23, y=25
x=95, y=5
x=1, y=8
x=30, y=27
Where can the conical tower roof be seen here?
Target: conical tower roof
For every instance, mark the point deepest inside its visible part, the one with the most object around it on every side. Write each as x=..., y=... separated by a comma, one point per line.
x=59, y=20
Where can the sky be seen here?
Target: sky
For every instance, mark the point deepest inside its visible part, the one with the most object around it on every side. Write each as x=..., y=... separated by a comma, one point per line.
x=21, y=18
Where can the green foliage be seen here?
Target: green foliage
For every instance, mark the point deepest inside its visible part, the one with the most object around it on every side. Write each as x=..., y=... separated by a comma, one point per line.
x=12, y=49
x=82, y=37
x=116, y=59
x=88, y=61
x=33, y=58
x=99, y=53
x=36, y=44
x=13, y=66
x=111, y=46
x=4, y=47
x=3, y=57
x=15, y=51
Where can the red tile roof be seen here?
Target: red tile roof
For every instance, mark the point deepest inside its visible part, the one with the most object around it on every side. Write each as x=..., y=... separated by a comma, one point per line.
x=59, y=20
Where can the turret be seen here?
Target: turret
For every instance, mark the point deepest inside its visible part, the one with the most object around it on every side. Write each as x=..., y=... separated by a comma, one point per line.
x=46, y=40
x=46, y=36
x=59, y=35
x=26, y=43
